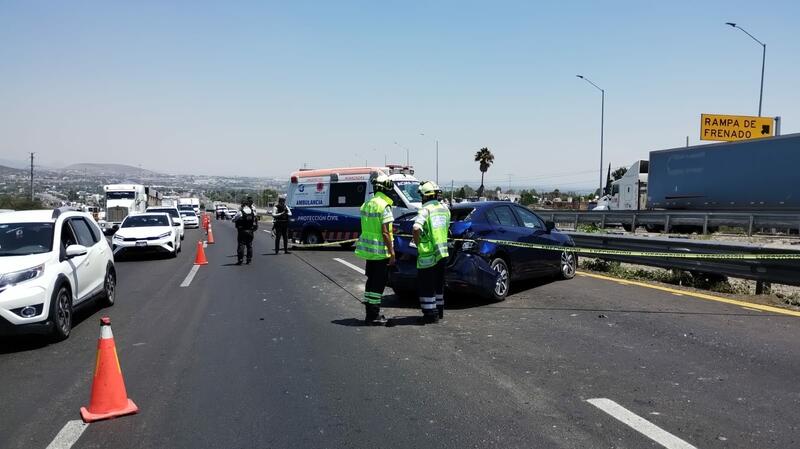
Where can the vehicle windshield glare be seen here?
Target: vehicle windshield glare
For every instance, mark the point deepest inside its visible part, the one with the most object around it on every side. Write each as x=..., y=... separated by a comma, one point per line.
x=20, y=239
x=120, y=195
x=143, y=221
x=409, y=189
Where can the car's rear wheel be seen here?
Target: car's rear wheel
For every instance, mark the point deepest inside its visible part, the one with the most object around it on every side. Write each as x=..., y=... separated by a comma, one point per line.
x=61, y=313
x=110, y=287
x=568, y=265
x=503, y=284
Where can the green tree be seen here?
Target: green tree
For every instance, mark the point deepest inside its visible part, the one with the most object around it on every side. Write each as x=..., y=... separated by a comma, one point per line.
x=527, y=197
x=485, y=159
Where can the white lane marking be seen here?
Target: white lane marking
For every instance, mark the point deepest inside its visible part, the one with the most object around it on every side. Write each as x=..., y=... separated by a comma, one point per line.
x=346, y=263
x=205, y=244
x=68, y=435
x=640, y=424
x=190, y=276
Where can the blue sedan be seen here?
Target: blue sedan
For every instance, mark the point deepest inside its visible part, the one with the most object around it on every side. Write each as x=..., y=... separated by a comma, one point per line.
x=482, y=267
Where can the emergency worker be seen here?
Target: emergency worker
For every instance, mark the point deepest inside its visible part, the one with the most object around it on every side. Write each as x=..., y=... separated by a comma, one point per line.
x=430, y=235
x=246, y=222
x=376, y=246
x=280, y=227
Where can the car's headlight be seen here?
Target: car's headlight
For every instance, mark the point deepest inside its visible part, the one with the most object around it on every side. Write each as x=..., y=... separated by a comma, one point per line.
x=164, y=235
x=17, y=277
x=118, y=237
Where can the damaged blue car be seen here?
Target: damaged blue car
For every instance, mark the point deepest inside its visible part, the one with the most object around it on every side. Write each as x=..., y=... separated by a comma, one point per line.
x=480, y=267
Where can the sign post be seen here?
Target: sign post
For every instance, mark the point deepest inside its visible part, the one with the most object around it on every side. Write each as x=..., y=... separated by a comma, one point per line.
x=729, y=128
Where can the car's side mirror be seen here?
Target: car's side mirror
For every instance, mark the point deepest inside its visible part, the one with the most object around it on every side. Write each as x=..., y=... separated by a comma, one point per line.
x=549, y=225
x=75, y=251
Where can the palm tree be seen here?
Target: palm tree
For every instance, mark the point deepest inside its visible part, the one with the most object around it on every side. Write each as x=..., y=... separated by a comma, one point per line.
x=485, y=158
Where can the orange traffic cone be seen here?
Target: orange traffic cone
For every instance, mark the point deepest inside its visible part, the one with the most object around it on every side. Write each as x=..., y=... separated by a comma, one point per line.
x=200, y=258
x=109, y=398
x=210, y=236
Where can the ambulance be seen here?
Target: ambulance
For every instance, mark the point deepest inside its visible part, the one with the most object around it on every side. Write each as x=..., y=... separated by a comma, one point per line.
x=325, y=203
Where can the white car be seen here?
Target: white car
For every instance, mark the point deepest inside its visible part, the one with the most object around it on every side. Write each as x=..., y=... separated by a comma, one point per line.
x=190, y=219
x=174, y=214
x=51, y=261
x=231, y=213
x=147, y=232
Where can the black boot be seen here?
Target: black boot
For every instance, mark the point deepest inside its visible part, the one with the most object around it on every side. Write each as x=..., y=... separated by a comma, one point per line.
x=369, y=314
x=239, y=262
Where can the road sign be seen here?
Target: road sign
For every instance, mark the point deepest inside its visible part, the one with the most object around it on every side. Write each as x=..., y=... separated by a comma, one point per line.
x=728, y=128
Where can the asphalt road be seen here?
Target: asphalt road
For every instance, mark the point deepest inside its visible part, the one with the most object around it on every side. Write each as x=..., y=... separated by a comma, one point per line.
x=273, y=355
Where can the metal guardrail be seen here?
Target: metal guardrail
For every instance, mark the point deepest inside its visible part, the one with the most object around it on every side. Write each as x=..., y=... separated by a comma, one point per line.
x=669, y=220
x=777, y=271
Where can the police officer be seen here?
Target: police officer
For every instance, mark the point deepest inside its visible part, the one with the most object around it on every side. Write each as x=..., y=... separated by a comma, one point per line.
x=430, y=235
x=280, y=227
x=246, y=222
x=376, y=246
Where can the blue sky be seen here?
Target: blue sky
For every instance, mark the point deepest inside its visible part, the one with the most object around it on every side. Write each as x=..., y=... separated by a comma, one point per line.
x=261, y=88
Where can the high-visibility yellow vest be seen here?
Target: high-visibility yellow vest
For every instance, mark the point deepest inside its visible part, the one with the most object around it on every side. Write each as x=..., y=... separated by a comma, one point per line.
x=370, y=244
x=433, y=239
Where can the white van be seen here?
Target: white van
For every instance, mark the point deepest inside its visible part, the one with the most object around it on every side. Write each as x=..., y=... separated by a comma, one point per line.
x=325, y=203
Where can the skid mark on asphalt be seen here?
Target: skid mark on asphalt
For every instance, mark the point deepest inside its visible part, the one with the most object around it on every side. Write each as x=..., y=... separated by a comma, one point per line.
x=640, y=424
x=68, y=435
x=760, y=307
x=348, y=264
x=189, y=277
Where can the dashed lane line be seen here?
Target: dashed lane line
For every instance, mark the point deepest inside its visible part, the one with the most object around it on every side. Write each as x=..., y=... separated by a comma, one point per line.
x=640, y=424
x=348, y=264
x=68, y=435
x=186, y=282
x=761, y=307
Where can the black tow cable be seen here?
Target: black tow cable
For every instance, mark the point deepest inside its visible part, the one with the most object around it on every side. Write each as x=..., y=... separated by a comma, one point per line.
x=328, y=277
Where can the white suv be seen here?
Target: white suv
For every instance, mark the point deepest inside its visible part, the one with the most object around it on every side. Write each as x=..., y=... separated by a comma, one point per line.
x=51, y=261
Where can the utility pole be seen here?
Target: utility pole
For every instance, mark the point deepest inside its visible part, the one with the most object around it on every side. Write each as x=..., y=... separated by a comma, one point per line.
x=32, y=176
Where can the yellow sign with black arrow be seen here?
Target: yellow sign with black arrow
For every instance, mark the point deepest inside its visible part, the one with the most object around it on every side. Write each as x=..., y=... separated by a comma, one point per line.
x=729, y=128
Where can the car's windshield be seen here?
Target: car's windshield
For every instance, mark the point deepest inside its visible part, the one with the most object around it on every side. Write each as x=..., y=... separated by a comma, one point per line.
x=19, y=239
x=120, y=195
x=143, y=221
x=170, y=211
x=409, y=189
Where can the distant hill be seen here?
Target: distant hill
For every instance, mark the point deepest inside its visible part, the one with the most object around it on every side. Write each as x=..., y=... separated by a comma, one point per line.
x=10, y=171
x=109, y=169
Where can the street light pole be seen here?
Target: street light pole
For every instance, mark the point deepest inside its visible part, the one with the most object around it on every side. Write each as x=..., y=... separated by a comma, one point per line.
x=763, y=62
x=602, y=125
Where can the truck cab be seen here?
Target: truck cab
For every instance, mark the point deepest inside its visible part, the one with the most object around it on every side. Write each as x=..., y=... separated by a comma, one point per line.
x=628, y=192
